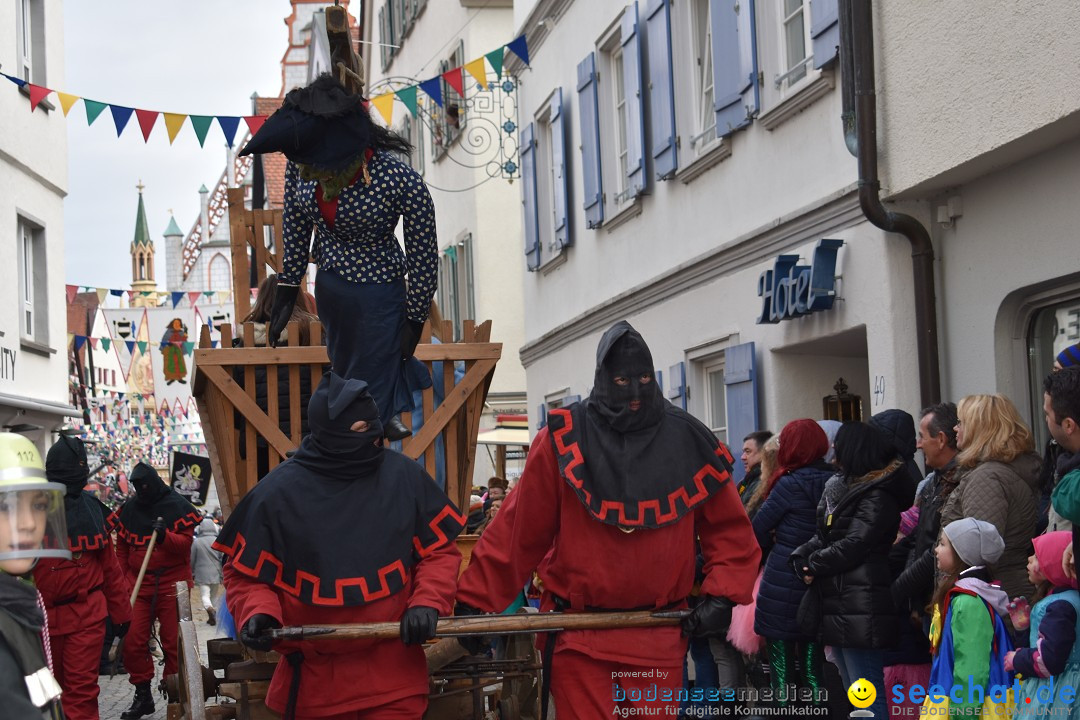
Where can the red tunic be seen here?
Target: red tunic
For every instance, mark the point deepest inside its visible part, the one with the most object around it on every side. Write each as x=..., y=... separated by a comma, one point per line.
x=544, y=525
x=80, y=592
x=341, y=676
x=170, y=562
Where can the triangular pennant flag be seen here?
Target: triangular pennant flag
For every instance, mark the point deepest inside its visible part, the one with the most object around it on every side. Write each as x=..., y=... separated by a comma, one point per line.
x=120, y=116
x=254, y=122
x=66, y=101
x=131, y=295
x=208, y=293
x=214, y=343
x=80, y=340
x=189, y=347
x=18, y=81
x=201, y=124
x=142, y=345
x=72, y=291
x=495, y=60
x=228, y=124
x=453, y=79
x=147, y=118
x=519, y=47
x=193, y=296
x=477, y=69
x=385, y=105
x=433, y=88
x=102, y=293
x=93, y=342
x=117, y=293
x=177, y=297
x=130, y=347
x=71, y=336
x=106, y=343
x=37, y=94
x=173, y=123
x=93, y=109
x=408, y=96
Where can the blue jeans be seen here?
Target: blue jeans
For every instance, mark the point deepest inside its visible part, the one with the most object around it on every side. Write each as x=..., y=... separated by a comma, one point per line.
x=854, y=663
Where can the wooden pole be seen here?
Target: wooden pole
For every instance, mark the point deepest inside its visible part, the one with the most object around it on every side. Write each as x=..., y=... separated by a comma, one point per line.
x=489, y=625
x=142, y=570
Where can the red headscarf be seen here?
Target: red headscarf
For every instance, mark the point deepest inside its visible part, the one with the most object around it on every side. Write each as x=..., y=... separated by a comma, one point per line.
x=802, y=442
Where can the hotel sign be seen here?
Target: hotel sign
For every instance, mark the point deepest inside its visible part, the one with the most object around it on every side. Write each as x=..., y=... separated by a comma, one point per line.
x=791, y=290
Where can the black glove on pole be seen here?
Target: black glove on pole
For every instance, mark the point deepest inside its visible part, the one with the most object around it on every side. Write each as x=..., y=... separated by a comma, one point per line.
x=418, y=624
x=159, y=530
x=252, y=634
x=284, y=302
x=410, y=337
x=710, y=618
x=473, y=644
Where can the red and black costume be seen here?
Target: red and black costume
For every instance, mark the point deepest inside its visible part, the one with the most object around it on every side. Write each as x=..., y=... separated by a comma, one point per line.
x=79, y=593
x=170, y=563
x=614, y=492
x=343, y=532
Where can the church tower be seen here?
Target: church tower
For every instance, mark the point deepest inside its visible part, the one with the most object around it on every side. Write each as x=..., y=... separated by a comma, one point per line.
x=142, y=255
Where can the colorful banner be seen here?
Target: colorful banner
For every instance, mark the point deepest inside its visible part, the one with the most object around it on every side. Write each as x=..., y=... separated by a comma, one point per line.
x=191, y=477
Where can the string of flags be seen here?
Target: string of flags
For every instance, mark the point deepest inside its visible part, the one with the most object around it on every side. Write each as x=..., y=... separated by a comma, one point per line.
x=104, y=343
x=219, y=297
x=147, y=119
x=455, y=78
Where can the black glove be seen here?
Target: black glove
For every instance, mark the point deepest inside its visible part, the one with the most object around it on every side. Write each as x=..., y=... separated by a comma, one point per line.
x=710, y=618
x=418, y=624
x=120, y=629
x=252, y=634
x=159, y=530
x=473, y=644
x=284, y=302
x=410, y=337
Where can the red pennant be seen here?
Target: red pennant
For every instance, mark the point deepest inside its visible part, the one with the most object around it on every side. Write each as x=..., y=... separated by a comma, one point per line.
x=455, y=80
x=193, y=297
x=254, y=122
x=37, y=94
x=147, y=118
x=72, y=291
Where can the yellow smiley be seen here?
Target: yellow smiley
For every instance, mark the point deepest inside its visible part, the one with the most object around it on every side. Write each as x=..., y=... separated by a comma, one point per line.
x=862, y=693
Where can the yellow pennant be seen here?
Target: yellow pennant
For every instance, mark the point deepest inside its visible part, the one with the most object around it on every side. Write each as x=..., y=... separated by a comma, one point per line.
x=102, y=293
x=385, y=105
x=477, y=70
x=173, y=123
x=66, y=101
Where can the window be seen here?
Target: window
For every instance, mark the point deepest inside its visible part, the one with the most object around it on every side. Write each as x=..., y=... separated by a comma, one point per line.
x=33, y=285
x=795, y=32
x=715, y=399
x=1053, y=329
x=30, y=41
x=457, y=292
x=413, y=131
x=620, y=112
x=220, y=275
x=448, y=121
x=619, y=120
x=704, y=127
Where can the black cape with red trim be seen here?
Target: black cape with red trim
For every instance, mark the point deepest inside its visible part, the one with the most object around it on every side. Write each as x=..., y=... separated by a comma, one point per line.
x=134, y=521
x=66, y=463
x=635, y=468
x=342, y=522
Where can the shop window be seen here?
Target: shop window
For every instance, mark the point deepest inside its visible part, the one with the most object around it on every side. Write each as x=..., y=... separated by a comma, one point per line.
x=1052, y=329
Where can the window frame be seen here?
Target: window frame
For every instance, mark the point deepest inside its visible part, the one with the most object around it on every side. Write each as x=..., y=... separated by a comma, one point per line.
x=699, y=20
x=24, y=52
x=614, y=129
x=440, y=122
x=788, y=81
x=709, y=368
x=33, y=280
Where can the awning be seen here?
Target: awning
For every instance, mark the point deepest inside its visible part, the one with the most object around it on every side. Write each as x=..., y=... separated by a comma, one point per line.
x=42, y=406
x=503, y=436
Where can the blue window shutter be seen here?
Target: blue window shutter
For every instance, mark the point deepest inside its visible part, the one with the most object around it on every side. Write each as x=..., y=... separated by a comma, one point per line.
x=824, y=31
x=570, y=400
x=558, y=163
x=676, y=392
x=735, y=72
x=636, y=179
x=661, y=88
x=740, y=381
x=541, y=416
x=528, y=197
x=590, y=141
x=660, y=380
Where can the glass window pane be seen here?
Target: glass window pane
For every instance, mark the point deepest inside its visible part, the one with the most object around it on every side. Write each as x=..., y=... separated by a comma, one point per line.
x=1053, y=329
x=717, y=403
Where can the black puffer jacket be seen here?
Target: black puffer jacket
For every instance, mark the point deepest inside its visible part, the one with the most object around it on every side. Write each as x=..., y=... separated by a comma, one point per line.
x=849, y=559
x=914, y=587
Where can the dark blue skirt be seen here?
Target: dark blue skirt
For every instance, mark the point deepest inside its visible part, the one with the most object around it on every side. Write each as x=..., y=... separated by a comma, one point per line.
x=363, y=323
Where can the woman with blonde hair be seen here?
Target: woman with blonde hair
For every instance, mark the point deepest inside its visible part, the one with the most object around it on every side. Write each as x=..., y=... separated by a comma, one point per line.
x=999, y=476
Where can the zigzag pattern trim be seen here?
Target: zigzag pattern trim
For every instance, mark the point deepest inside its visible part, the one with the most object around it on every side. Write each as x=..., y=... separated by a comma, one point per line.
x=88, y=544
x=182, y=523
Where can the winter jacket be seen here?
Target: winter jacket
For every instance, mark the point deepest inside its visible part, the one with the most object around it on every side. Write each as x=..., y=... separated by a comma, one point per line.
x=749, y=484
x=849, y=559
x=914, y=587
x=205, y=561
x=1004, y=495
x=899, y=426
x=22, y=652
x=785, y=521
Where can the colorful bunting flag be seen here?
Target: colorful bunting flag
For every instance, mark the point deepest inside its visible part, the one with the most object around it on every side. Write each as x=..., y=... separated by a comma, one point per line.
x=385, y=105
x=173, y=123
x=80, y=340
x=37, y=94
x=454, y=79
x=105, y=344
x=120, y=115
x=228, y=124
x=142, y=344
x=177, y=296
x=254, y=122
x=147, y=118
x=433, y=88
x=93, y=109
x=495, y=60
x=101, y=294
x=519, y=47
x=201, y=125
x=18, y=81
x=408, y=96
x=66, y=101
x=477, y=69
x=72, y=291
x=130, y=346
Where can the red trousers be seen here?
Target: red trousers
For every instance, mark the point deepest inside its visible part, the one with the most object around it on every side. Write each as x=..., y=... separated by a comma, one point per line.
x=587, y=689
x=76, y=657
x=137, y=658
x=410, y=708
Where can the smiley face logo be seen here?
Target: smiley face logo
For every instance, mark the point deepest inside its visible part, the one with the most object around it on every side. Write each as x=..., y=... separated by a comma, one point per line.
x=862, y=693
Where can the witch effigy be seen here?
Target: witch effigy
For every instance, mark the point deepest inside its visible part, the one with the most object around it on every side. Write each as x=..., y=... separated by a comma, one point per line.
x=345, y=531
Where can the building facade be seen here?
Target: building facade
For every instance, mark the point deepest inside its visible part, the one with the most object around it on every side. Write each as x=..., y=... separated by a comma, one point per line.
x=684, y=168
x=980, y=138
x=456, y=149
x=33, y=183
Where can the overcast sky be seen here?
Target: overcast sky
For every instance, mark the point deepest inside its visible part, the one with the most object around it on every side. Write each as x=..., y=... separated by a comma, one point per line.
x=201, y=57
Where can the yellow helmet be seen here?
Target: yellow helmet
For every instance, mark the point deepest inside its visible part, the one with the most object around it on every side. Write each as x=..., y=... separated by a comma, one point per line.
x=32, y=519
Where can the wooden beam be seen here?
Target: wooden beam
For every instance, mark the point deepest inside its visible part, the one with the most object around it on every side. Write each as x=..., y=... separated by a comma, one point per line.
x=249, y=409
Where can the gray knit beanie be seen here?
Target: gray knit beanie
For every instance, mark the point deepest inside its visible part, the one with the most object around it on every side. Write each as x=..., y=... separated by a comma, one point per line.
x=976, y=542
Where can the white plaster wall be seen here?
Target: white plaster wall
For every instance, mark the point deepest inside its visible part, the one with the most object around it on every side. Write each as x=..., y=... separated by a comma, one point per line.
x=960, y=84
x=33, y=180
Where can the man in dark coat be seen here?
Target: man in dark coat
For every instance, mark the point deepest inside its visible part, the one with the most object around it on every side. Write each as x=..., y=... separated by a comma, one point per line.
x=751, y=459
x=615, y=490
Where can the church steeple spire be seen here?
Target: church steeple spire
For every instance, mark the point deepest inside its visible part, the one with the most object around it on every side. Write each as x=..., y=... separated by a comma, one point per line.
x=142, y=250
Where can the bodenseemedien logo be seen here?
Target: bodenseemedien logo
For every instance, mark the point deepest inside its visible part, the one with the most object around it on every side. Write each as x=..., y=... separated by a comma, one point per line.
x=862, y=694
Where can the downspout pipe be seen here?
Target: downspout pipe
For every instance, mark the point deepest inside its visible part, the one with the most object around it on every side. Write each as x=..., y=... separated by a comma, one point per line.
x=860, y=39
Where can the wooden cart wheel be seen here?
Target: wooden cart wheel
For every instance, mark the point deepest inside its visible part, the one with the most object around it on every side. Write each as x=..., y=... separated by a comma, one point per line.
x=190, y=680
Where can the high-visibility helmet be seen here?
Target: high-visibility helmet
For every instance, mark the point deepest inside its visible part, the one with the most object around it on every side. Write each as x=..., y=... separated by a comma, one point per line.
x=32, y=518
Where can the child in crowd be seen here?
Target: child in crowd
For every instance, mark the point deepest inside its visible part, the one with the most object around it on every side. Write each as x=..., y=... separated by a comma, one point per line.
x=1053, y=660
x=969, y=643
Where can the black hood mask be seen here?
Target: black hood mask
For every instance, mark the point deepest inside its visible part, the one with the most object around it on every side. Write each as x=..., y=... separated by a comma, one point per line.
x=332, y=448
x=134, y=521
x=66, y=463
x=643, y=467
